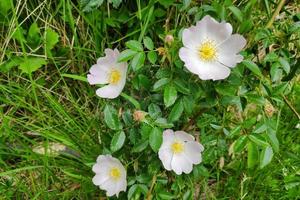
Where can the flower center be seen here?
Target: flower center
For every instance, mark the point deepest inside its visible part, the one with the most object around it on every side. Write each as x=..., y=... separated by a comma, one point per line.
x=114, y=76
x=207, y=51
x=177, y=147
x=115, y=173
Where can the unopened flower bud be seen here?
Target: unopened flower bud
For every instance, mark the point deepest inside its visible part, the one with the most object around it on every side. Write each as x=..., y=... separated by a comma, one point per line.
x=169, y=39
x=269, y=109
x=161, y=51
x=139, y=115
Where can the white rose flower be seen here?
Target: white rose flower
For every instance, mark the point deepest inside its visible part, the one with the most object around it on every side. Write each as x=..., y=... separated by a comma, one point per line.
x=110, y=175
x=210, y=49
x=108, y=71
x=179, y=151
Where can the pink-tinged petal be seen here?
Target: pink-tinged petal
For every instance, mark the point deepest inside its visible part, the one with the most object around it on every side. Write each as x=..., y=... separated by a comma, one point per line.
x=192, y=37
x=230, y=60
x=193, y=152
x=97, y=79
x=191, y=60
x=110, y=187
x=183, y=136
x=214, y=71
x=100, y=179
x=214, y=30
x=110, y=91
x=181, y=164
x=232, y=45
x=205, y=70
x=165, y=155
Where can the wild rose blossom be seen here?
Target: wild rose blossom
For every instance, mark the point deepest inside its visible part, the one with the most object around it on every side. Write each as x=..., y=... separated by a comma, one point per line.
x=109, y=71
x=210, y=49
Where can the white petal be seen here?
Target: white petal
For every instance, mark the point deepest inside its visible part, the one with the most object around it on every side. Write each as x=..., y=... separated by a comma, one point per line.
x=165, y=155
x=97, y=168
x=230, y=60
x=183, y=136
x=181, y=164
x=214, y=30
x=110, y=187
x=232, y=45
x=123, y=185
x=192, y=37
x=97, y=79
x=110, y=91
x=120, y=186
x=168, y=139
x=100, y=179
x=205, y=70
x=193, y=152
x=168, y=134
x=109, y=60
x=103, y=158
x=215, y=71
x=191, y=60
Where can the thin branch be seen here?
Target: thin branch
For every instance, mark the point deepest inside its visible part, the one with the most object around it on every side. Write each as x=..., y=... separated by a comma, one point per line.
x=279, y=7
x=291, y=107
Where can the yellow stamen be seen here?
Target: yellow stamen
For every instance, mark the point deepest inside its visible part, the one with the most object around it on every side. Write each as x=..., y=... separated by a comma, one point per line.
x=115, y=76
x=177, y=147
x=115, y=173
x=207, y=51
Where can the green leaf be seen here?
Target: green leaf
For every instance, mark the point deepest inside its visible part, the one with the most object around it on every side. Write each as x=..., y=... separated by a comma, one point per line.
x=258, y=140
x=138, y=61
x=132, y=190
x=51, y=40
x=31, y=64
x=154, y=111
x=160, y=83
x=181, y=86
x=134, y=45
x=253, y=68
x=140, y=146
x=126, y=55
x=176, y=111
x=252, y=154
x=285, y=65
x=163, y=123
x=276, y=72
x=152, y=57
x=235, y=131
x=266, y=156
x=89, y=5
x=188, y=104
x=170, y=95
x=117, y=141
x=116, y=3
x=5, y=6
x=34, y=33
x=111, y=118
x=155, y=139
x=236, y=12
x=260, y=128
x=240, y=144
x=131, y=100
x=13, y=62
x=75, y=77
x=273, y=140
x=148, y=43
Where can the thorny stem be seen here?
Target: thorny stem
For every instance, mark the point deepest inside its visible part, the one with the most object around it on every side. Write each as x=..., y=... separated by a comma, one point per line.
x=291, y=107
x=279, y=7
x=151, y=188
